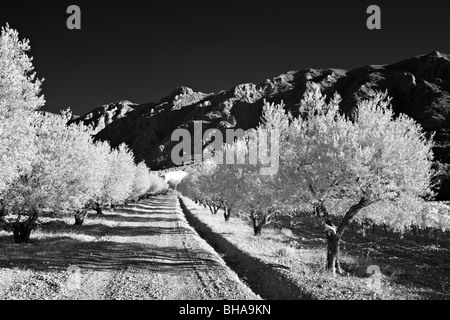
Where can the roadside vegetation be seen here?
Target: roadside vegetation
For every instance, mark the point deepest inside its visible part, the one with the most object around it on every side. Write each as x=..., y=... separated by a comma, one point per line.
x=288, y=261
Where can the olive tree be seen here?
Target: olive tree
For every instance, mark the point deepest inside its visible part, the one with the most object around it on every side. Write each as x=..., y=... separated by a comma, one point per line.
x=240, y=185
x=157, y=184
x=376, y=158
x=142, y=181
x=19, y=98
x=118, y=183
x=65, y=173
x=189, y=185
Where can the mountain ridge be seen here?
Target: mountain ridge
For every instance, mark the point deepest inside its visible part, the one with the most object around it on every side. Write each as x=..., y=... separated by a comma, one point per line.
x=419, y=87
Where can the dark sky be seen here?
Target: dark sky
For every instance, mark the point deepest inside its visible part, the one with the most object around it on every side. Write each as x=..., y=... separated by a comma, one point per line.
x=142, y=50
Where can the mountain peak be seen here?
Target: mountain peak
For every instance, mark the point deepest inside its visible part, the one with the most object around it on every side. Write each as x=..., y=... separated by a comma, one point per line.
x=182, y=90
x=437, y=54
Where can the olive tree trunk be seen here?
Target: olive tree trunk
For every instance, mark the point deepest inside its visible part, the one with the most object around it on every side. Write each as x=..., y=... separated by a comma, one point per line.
x=80, y=216
x=2, y=213
x=226, y=213
x=259, y=221
x=215, y=209
x=22, y=230
x=333, y=251
x=333, y=233
x=98, y=208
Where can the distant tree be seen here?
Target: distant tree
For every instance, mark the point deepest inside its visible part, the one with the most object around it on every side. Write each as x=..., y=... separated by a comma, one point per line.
x=203, y=185
x=97, y=155
x=240, y=188
x=216, y=188
x=226, y=185
x=189, y=186
x=118, y=184
x=157, y=184
x=255, y=195
x=434, y=216
x=142, y=181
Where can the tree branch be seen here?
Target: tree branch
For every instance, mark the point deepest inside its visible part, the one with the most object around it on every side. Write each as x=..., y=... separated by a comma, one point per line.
x=364, y=202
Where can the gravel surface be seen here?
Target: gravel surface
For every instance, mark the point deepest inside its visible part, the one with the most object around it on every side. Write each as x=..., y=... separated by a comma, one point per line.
x=141, y=251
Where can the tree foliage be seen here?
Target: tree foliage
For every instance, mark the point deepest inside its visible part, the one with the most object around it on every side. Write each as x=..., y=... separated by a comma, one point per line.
x=147, y=182
x=157, y=184
x=375, y=165
x=66, y=171
x=141, y=182
x=119, y=180
x=19, y=97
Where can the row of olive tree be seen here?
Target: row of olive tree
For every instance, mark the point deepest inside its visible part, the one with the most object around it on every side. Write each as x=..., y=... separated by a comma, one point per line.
x=48, y=165
x=375, y=165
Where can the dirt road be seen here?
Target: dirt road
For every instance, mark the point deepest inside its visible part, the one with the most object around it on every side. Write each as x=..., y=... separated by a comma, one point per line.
x=141, y=251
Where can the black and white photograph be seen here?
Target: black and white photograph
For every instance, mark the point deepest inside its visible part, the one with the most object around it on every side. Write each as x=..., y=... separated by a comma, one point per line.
x=225, y=155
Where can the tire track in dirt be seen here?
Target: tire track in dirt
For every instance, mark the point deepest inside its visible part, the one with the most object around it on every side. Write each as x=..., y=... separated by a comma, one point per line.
x=197, y=265
x=142, y=251
x=211, y=279
x=151, y=252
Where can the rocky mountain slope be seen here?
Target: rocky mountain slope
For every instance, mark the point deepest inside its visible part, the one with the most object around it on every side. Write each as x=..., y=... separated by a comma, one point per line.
x=419, y=86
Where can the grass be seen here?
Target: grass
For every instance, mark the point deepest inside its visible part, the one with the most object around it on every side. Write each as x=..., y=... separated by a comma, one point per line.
x=408, y=270
x=38, y=269
x=40, y=266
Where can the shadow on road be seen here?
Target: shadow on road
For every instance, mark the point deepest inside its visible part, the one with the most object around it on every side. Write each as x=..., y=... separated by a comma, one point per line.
x=59, y=253
x=60, y=245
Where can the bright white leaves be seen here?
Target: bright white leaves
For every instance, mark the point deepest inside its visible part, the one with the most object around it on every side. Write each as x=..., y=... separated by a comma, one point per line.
x=46, y=164
x=69, y=170
x=124, y=180
x=120, y=177
x=65, y=170
x=394, y=156
x=19, y=96
x=435, y=215
x=157, y=184
x=141, y=181
x=376, y=156
x=20, y=88
x=326, y=157
x=146, y=182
